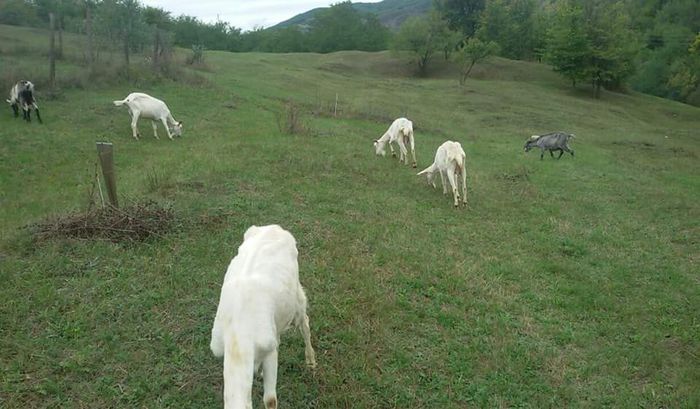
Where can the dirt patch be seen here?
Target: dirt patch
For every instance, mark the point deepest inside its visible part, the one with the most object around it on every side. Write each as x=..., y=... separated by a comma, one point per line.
x=516, y=175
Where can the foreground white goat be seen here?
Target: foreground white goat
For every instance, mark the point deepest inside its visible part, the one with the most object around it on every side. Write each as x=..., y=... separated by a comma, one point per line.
x=260, y=298
x=450, y=161
x=400, y=132
x=144, y=105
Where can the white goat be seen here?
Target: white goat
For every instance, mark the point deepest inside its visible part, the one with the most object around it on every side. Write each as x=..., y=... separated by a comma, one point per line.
x=260, y=298
x=450, y=161
x=144, y=105
x=401, y=132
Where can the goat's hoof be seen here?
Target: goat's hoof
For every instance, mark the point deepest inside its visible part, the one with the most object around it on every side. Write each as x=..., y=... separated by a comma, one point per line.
x=415, y=166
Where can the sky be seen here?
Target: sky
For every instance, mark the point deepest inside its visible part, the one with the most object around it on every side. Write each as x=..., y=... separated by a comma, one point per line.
x=244, y=14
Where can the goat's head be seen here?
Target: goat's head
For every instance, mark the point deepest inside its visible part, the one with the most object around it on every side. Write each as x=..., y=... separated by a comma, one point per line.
x=379, y=148
x=26, y=85
x=176, y=130
x=530, y=143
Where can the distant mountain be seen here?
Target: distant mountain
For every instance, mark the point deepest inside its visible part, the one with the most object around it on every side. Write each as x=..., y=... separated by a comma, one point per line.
x=390, y=12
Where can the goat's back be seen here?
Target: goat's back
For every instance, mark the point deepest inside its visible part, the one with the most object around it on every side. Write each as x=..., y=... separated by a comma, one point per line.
x=263, y=278
x=554, y=139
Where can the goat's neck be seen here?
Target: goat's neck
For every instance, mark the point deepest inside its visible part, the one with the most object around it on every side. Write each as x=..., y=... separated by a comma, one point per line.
x=384, y=139
x=171, y=120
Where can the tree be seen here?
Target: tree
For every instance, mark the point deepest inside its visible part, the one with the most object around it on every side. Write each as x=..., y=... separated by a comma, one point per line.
x=461, y=15
x=472, y=52
x=590, y=40
x=160, y=22
x=515, y=25
x=422, y=37
x=123, y=20
x=342, y=27
x=567, y=45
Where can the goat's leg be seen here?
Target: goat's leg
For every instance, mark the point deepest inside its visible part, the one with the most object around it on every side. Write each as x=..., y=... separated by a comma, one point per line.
x=393, y=154
x=167, y=130
x=561, y=152
x=542, y=154
x=464, y=185
x=15, y=109
x=135, y=125
x=404, y=151
x=551, y=153
x=155, y=129
x=571, y=151
x=413, y=153
x=38, y=117
x=309, y=353
x=444, y=185
x=270, y=380
x=453, y=184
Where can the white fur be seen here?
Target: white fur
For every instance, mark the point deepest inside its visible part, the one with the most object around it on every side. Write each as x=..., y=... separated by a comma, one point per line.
x=143, y=105
x=260, y=298
x=400, y=132
x=450, y=161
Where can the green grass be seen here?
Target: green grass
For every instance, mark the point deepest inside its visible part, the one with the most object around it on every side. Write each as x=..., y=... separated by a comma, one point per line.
x=569, y=283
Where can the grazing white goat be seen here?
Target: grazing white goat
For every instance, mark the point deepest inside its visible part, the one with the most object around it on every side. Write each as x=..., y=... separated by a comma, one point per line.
x=450, y=161
x=22, y=96
x=260, y=298
x=144, y=105
x=400, y=132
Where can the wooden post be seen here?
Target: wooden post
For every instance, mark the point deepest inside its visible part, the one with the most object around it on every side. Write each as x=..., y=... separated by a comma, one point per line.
x=105, y=153
x=88, y=29
x=335, y=109
x=52, y=52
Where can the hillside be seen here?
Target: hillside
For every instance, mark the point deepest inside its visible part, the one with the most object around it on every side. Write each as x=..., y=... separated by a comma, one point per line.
x=565, y=283
x=390, y=12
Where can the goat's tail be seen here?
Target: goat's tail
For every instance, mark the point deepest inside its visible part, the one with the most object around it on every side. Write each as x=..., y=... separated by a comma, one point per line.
x=120, y=103
x=426, y=170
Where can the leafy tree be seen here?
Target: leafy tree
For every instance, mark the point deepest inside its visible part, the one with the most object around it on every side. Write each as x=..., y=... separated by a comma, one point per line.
x=472, y=52
x=123, y=20
x=590, y=40
x=461, y=15
x=516, y=25
x=159, y=22
x=567, y=45
x=342, y=27
x=422, y=37
x=666, y=62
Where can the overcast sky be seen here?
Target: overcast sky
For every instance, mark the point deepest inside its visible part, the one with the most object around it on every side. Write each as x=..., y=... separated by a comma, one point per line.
x=245, y=14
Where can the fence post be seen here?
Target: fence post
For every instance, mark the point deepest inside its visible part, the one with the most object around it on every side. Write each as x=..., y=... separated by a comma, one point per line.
x=105, y=153
x=52, y=53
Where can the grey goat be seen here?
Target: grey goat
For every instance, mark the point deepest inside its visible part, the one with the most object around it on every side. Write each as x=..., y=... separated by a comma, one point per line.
x=555, y=141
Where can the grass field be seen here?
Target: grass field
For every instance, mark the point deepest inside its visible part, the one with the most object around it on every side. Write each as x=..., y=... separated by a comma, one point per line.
x=569, y=283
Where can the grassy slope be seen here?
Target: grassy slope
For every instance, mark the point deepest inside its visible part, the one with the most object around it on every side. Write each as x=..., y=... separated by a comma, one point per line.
x=566, y=283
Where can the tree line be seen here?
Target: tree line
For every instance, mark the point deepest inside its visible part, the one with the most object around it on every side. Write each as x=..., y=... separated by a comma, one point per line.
x=651, y=45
